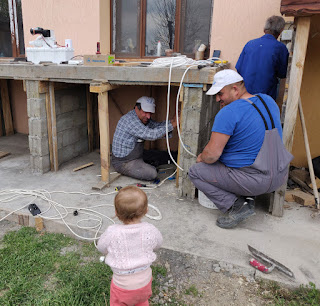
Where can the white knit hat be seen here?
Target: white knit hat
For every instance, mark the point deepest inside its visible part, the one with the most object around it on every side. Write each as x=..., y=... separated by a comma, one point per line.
x=147, y=104
x=222, y=79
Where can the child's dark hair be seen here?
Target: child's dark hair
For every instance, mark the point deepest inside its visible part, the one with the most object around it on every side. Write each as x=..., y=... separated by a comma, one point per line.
x=130, y=203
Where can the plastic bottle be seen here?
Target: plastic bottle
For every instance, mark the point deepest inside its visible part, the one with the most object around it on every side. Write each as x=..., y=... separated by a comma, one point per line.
x=159, y=48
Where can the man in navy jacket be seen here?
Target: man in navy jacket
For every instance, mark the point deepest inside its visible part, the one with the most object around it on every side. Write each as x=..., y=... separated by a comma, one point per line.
x=264, y=60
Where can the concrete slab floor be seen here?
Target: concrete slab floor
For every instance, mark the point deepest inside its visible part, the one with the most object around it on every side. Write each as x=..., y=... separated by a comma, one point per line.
x=187, y=227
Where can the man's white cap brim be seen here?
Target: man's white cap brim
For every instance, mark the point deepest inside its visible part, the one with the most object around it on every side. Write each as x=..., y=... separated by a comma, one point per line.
x=222, y=79
x=214, y=90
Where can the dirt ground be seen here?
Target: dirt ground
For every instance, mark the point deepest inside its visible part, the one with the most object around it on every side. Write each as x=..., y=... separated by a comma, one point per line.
x=192, y=280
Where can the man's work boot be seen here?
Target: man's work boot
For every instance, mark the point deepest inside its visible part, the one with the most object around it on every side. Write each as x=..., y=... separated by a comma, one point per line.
x=239, y=211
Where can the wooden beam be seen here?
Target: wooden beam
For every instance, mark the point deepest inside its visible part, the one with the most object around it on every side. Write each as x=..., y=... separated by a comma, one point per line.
x=100, y=88
x=83, y=166
x=43, y=87
x=6, y=108
x=54, y=126
x=49, y=125
x=103, y=113
x=89, y=119
x=298, y=60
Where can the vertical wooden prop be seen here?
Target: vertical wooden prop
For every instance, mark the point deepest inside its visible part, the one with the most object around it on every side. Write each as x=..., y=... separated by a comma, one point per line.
x=298, y=59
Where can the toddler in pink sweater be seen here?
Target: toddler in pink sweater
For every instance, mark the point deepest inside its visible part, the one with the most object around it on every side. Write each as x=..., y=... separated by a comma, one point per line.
x=129, y=249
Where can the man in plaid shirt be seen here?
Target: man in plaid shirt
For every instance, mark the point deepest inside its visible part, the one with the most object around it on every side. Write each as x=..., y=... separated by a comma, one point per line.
x=128, y=141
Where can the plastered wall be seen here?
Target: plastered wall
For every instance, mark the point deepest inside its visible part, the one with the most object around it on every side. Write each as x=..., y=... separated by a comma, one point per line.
x=310, y=98
x=234, y=23
x=72, y=19
x=18, y=100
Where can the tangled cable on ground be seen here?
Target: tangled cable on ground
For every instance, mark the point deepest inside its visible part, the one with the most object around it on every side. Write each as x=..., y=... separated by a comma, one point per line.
x=61, y=211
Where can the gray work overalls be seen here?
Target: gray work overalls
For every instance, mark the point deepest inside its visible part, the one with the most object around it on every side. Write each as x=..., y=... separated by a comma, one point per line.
x=222, y=184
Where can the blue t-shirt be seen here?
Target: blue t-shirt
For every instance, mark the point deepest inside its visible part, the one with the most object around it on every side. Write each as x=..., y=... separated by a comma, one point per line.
x=242, y=122
x=261, y=62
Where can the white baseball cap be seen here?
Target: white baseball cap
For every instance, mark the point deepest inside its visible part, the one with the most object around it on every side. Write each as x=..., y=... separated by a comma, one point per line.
x=147, y=104
x=222, y=79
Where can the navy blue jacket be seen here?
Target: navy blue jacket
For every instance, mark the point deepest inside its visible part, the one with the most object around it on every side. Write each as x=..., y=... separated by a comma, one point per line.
x=261, y=62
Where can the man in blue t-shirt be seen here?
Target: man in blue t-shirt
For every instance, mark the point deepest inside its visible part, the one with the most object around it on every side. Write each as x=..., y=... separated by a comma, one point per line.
x=264, y=60
x=245, y=155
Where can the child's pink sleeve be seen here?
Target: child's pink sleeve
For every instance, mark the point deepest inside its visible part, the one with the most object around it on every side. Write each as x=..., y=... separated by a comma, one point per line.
x=104, y=242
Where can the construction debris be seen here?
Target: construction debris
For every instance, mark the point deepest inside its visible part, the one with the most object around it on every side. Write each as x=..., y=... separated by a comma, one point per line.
x=83, y=166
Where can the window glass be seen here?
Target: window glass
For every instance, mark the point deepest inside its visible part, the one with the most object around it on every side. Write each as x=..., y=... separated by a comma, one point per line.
x=195, y=24
x=160, y=26
x=20, y=27
x=5, y=33
x=126, y=27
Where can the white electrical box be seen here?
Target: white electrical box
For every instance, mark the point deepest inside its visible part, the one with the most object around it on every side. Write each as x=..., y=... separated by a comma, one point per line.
x=54, y=55
x=286, y=35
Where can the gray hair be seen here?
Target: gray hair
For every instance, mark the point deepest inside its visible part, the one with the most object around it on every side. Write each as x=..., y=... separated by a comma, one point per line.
x=275, y=25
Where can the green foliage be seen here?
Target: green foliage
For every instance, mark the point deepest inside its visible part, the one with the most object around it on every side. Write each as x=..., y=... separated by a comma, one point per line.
x=304, y=295
x=192, y=290
x=35, y=271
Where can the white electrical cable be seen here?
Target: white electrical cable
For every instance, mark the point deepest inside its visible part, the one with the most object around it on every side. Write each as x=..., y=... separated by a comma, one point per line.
x=178, y=62
x=44, y=195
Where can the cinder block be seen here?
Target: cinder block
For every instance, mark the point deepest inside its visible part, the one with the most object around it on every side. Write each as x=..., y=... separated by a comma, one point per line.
x=81, y=147
x=40, y=163
x=60, y=139
x=36, y=107
x=70, y=136
x=83, y=132
x=32, y=88
x=79, y=117
x=38, y=127
x=38, y=145
x=69, y=103
x=64, y=122
x=66, y=153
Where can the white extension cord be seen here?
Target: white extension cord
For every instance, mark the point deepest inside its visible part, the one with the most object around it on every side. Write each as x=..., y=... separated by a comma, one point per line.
x=173, y=62
x=63, y=211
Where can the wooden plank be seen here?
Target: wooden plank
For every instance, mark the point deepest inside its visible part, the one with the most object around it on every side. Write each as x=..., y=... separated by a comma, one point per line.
x=101, y=184
x=43, y=87
x=83, y=166
x=298, y=59
x=179, y=146
x=49, y=125
x=54, y=127
x=303, y=198
x=89, y=119
x=99, y=88
x=4, y=154
x=103, y=113
x=6, y=108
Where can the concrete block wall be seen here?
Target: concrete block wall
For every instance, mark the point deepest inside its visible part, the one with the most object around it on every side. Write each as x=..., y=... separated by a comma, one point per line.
x=38, y=130
x=71, y=116
x=198, y=115
x=71, y=121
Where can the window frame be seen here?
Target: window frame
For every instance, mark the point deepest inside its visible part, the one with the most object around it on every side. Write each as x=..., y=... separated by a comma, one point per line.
x=14, y=30
x=142, y=29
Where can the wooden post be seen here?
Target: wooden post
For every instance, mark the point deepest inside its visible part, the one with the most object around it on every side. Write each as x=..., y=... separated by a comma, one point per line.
x=179, y=146
x=298, y=59
x=89, y=120
x=51, y=123
x=6, y=109
x=103, y=114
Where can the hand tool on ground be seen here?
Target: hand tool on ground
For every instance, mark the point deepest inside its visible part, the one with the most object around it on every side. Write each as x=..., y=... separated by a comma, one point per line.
x=274, y=264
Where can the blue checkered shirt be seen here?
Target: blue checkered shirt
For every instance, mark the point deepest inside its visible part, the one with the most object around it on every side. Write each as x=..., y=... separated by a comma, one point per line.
x=130, y=129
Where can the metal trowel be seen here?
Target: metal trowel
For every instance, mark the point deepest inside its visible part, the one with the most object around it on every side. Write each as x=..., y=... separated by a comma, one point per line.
x=274, y=264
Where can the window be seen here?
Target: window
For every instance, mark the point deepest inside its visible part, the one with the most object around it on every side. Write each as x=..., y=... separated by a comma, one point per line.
x=11, y=29
x=180, y=25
